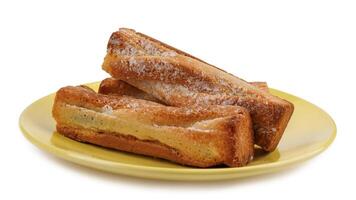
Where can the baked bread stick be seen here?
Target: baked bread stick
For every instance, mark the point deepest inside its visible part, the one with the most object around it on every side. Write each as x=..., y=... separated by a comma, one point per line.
x=197, y=136
x=179, y=79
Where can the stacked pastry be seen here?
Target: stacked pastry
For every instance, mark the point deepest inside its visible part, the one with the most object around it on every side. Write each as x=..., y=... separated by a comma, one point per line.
x=165, y=103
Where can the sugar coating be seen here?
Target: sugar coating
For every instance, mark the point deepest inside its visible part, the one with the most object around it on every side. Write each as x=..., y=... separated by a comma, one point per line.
x=201, y=88
x=107, y=110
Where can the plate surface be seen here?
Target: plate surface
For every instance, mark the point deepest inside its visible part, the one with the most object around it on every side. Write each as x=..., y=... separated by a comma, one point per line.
x=309, y=132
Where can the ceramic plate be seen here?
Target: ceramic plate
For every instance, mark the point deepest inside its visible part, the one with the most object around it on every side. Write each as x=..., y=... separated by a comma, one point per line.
x=309, y=132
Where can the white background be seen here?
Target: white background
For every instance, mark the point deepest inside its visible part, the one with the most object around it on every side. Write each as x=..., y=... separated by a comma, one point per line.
x=307, y=48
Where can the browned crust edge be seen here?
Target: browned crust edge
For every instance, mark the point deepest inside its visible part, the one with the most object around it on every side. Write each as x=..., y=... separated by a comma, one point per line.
x=130, y=144
x=241, y=141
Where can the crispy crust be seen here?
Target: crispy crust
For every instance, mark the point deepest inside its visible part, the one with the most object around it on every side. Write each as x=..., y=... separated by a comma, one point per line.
x=179, y=79
x=128, y=144
x=190, y=136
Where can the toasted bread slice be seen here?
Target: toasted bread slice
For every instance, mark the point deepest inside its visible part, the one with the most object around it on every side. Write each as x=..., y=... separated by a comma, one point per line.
x=198, y=136
x=179, y=79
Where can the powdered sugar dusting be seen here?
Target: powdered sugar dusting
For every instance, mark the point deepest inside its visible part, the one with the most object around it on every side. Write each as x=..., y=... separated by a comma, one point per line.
x=169, y=54
x=163, y=70
x=114, y=41
x=180, y=93
x=128, y=50
x=107, y=110
x=133, y=105
x=132, y=61
x=146, y=47
x=229, y=101
x=149, y=48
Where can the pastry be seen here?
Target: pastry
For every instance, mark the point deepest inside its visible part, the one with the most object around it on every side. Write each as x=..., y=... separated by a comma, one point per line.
x=194, y=136
x=179, y=79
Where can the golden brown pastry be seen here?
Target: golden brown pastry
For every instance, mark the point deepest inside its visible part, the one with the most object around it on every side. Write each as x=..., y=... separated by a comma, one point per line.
x=195, y=136
x=179, y=79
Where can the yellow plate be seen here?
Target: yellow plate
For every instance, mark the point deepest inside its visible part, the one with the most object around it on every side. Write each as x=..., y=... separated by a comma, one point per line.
x=310, y=131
